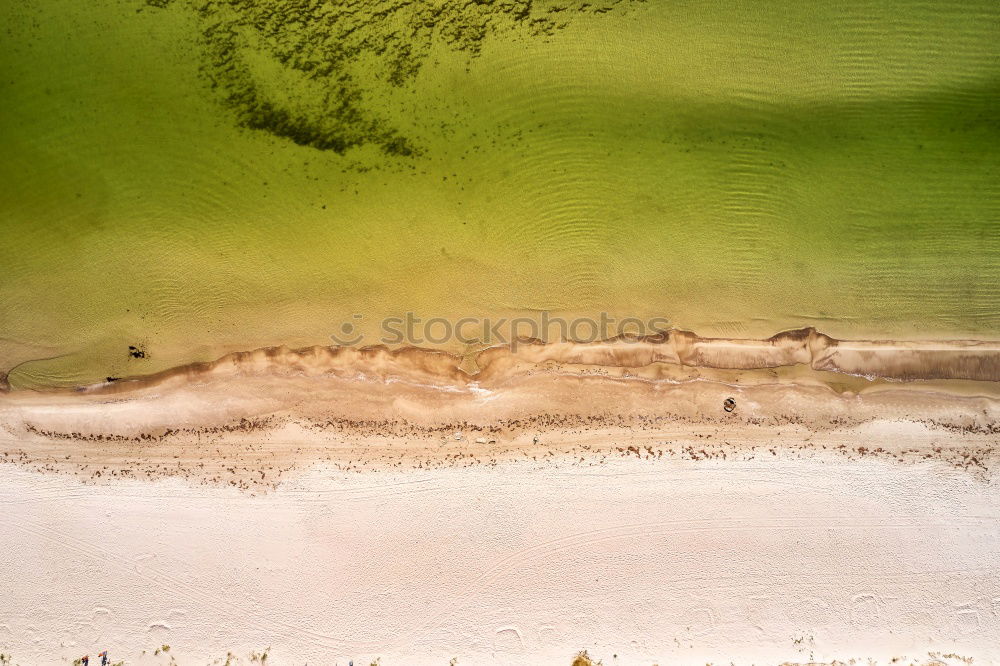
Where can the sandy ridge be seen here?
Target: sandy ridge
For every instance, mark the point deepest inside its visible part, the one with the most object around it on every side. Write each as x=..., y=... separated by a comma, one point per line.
x=250, y=419
x=899, y=360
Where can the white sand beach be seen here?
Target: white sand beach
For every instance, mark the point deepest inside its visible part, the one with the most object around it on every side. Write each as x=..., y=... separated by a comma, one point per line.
x=659, y=561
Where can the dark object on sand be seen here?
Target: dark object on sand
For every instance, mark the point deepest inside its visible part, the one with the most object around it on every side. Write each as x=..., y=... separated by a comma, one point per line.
x=136, y=352
x=729, y=404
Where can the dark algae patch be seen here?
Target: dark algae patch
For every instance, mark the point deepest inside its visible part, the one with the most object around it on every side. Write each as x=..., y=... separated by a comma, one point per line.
x=317, y=72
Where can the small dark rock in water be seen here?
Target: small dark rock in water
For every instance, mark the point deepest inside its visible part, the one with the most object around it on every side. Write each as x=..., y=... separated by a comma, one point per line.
x=729, y=404
x=136, y=352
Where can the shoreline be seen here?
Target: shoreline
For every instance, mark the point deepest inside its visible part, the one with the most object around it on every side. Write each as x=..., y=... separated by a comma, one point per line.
x=252, y=419
x=675, y=353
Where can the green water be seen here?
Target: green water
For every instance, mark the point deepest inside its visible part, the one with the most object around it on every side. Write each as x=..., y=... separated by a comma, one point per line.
x=196, y=177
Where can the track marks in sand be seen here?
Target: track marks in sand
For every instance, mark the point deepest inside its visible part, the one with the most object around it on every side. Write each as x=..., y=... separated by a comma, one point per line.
x=500, y=559
x=534, y=556
x=174, y=585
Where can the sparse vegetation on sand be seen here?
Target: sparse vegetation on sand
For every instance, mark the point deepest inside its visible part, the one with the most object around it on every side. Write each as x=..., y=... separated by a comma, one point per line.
x=583, y=659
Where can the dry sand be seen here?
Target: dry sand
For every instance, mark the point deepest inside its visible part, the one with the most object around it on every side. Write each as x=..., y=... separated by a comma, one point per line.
x=655, y=561
x=514, y=506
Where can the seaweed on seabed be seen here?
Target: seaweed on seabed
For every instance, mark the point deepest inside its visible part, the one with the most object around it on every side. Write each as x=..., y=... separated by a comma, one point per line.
x=400, y=147
x=320, y=43
x=279, y=122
